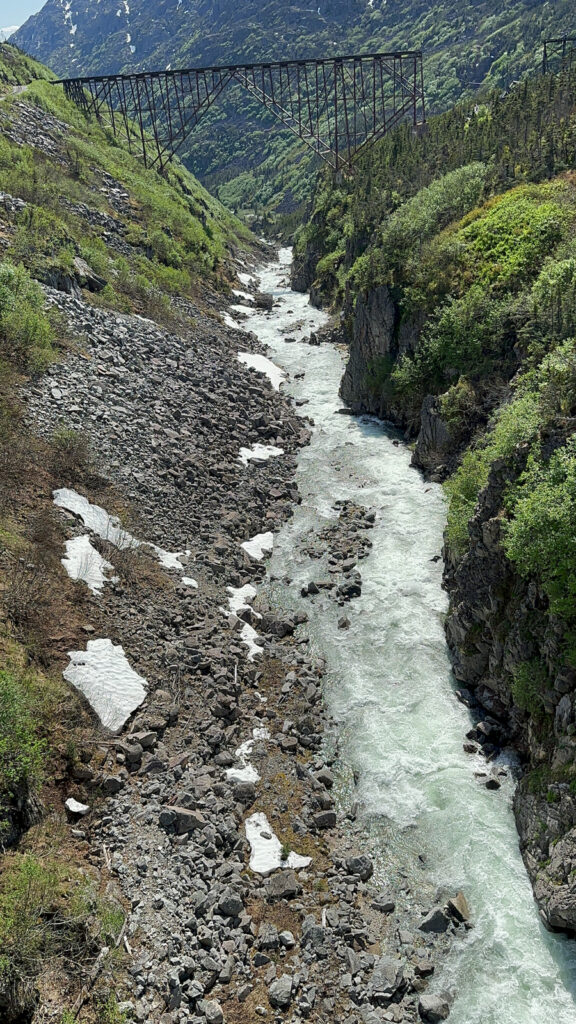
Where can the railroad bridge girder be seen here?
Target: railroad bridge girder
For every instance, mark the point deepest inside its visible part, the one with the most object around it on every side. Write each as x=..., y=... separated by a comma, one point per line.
x=336, y=106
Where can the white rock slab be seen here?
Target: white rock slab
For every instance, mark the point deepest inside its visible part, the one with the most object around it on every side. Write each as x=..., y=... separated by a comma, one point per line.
x=259, y=546
x=261, y=364
x=111, y=686
x=266, y=848
x=83, y=562
x=259, y=453
x=75, y=807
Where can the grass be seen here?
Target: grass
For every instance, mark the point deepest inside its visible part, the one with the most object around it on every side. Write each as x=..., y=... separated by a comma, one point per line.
x=50, y=913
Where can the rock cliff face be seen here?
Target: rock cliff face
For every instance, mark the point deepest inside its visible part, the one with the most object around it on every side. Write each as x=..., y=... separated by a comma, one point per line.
x=379, y=337
x=499, y=624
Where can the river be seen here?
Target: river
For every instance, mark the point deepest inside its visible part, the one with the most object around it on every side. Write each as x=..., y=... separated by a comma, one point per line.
x=390, y=690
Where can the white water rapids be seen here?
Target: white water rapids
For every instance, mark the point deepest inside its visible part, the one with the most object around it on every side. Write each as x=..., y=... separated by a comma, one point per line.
x=389, y=687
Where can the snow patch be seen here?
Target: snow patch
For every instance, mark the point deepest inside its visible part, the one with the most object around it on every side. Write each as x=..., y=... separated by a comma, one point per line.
x=169, y=559
x=259, y=546
x=240, y=598
x=103, y=674
x=84, y=562
x=5, y=33
x=249, y=636
x=261, y=364
x=189, y=582
x=110, y=528
x=228, y=320
x=246, y=772
x=259, y=453
x=246, y=279
x=266, y=848
x=243, y=295
x=95, y=518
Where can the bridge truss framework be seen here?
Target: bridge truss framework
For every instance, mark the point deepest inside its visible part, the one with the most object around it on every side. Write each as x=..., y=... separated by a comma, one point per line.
x=337, y=106
x=559, y=54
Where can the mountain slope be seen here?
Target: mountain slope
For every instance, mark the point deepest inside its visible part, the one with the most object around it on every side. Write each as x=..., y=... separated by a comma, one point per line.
x=237, y=148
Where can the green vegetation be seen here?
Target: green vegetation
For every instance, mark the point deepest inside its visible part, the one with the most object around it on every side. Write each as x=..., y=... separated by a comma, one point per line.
x=26, y=334
x=48, y=914
x=172, y=237
x=529, y=681
x=22, y=751
x=540, y=537
x=238, y=149
x=514, y=424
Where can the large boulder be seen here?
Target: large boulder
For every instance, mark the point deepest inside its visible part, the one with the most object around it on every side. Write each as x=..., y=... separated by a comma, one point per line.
x=361, y=866
x=434, y=1008
x=387, y=979
x=280, y=992
x=436, y=921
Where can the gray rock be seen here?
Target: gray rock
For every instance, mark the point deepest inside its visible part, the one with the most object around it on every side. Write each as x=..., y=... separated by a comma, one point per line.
x=230, y=904
x=361, y=866
x=436, y=921
x=280, y=992
x=434, y=1008
x=283, y=885
x=387, y=979
x=458, y=908
x=213, y=1012
x=186, y=820
x=268, y=937
x=324, y=819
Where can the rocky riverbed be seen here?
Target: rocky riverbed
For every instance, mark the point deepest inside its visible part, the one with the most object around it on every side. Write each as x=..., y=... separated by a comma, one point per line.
x=223, y=765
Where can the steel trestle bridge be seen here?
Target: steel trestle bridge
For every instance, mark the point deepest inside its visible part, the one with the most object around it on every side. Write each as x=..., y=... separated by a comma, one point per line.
x=336, y=106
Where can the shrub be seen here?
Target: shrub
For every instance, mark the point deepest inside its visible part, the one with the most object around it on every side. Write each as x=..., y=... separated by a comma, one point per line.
x=514, y=423
x=26, y=336
x=551, y=308
x=22, y=752
x=48, y=912
x=541, y=535
x=71, y=454
x=529, y=681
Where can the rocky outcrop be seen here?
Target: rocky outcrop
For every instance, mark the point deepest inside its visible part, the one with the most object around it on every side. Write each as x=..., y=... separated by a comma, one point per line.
x=436, y=443
x=379, y=337
x=373, y=341
x=497, y=624
x=303, y=270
